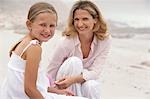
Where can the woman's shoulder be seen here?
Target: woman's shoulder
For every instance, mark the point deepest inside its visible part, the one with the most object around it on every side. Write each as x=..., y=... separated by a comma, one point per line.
x=66, y=43
x=106, y=42
x=106, y=39
x=66, y=40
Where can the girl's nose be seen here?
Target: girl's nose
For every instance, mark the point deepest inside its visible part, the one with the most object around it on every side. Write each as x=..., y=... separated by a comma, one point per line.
x=47, y=29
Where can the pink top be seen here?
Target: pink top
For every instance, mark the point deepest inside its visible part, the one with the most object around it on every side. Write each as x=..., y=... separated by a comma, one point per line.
x=71, y=47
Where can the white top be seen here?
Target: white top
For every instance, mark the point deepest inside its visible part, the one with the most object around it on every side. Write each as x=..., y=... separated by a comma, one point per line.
x=13, y=87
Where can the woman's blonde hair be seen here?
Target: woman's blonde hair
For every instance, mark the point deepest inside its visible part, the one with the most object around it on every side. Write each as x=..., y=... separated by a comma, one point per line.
x=36, y=9
x=100, y=27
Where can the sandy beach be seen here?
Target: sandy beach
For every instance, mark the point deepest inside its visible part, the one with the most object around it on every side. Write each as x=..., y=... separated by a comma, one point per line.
x=123, y=76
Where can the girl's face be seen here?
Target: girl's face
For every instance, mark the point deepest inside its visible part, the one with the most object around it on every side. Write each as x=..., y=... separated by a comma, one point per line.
x=43, y=26
x=83, y=22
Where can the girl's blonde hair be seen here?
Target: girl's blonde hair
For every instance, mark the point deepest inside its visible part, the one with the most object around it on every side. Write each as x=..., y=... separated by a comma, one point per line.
x=36, y=9
x=100, y=27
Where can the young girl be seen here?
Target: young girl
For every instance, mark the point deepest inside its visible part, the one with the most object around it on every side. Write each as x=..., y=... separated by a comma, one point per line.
x=25, y=79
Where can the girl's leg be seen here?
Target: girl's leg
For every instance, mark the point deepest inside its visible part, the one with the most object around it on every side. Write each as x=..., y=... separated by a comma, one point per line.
x=71, y=67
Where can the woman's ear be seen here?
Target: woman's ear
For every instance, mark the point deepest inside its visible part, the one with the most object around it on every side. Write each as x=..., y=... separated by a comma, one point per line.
x=29, y=25
x=95, y=20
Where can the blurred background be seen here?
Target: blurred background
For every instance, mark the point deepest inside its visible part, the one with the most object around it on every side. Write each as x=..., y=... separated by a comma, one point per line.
x=119, y=14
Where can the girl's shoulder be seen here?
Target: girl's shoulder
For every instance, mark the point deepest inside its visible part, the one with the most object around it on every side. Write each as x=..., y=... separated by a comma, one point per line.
x=34, y=42
x=34, y=45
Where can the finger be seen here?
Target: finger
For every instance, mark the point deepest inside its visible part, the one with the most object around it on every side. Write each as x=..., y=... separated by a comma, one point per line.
x=61, y=80
x=60, y=83
x=60, y=86
x=71, y=93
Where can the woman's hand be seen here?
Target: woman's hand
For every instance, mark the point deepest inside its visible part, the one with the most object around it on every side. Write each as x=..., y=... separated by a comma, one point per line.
x=60, y=91
x=66, y=92
x=65, y=82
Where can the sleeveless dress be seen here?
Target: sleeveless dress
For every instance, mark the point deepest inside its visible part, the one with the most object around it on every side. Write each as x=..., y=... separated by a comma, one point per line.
x=13, y=86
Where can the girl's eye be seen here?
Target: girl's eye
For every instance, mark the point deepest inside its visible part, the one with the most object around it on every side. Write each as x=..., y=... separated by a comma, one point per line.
x=43, y=25
x=52, y=25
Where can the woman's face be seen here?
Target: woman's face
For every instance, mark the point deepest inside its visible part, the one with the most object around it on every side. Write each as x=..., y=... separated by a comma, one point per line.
x=43, y=26
x=83, y=22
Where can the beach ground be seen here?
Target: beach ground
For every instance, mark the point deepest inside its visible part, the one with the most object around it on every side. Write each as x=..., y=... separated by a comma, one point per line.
x=125, y=74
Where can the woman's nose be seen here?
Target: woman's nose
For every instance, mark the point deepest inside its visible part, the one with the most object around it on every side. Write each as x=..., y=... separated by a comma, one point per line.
x=80, y=23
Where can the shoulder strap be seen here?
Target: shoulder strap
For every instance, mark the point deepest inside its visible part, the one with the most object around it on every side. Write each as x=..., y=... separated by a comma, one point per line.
x=32, y=42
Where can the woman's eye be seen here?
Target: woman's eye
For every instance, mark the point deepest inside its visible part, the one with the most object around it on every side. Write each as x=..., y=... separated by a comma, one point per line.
x=85, y=19
x=76, y=19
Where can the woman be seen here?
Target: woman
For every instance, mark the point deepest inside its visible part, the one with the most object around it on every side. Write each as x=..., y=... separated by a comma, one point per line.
x=79, y=58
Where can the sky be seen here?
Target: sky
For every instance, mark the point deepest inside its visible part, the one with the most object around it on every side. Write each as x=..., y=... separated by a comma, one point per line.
x=133, y=12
